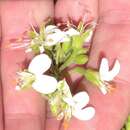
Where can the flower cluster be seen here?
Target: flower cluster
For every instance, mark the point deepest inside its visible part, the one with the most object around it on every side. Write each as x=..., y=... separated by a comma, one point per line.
x=56, y=49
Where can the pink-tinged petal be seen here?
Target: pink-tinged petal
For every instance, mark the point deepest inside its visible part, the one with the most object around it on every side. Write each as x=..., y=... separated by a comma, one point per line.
x=104, y=69
x=81, y=99
x=115, y=70
x=45, y=84
x=84, y=114
x=39, y=64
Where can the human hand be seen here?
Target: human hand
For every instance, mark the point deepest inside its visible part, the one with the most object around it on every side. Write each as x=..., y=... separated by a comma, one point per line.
x=26, y=110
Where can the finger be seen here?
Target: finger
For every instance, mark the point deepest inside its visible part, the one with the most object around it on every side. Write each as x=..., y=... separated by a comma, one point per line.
x=112, y=41
x=24, y=110
x=80, y=9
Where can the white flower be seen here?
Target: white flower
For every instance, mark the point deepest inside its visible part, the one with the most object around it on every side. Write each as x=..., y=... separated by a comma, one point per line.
x=44, y=84
x=50, y=29
x=107, y=75
x=55, y=38
x=78, y=103
x=54, y=35
x=71, y=31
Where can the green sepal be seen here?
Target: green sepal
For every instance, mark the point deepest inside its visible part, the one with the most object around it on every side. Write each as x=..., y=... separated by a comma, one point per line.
x=80, y=70
x=128, y=118
x=66, y=46
x=80, y=27
x=42, y=32
x=35, y=48
x=32, y=34
x=59, y=54
x=127, y=126
x=26, y=79
x=77, y=42
x=81, y=59
x=68, y=62
x=54, y=109
x=82, y=51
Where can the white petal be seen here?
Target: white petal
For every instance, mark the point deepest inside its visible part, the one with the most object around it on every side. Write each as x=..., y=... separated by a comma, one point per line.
x=39, y=64
x=81, y=99
x=69, y=101
x=28, y=50
x=54, y=38
x=45, y=84
x=103, y=89
x=41, y=49
x=115, y=70
x=17, y=88
x=50, y=28
x=72, y=32
x=104, y=69
x=84, y=114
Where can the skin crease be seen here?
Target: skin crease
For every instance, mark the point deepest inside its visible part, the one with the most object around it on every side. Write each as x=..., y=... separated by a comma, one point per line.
x=25, y=110
x=1, y=98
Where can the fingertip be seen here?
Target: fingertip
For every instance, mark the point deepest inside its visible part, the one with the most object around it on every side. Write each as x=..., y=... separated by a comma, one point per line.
x=77, y=10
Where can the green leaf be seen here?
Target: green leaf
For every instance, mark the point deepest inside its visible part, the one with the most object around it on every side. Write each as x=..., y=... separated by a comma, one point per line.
x=80, y=70
x=81, y=59
x=54, y=109
x=35, y=48
x=68, y=62
x=66, y=46
x=127, y=123
x=93, y=77
x=26, y=79
x=82, y=51
x=77, y=42
x=128, y=118
x=128, y=126
x=59, y=54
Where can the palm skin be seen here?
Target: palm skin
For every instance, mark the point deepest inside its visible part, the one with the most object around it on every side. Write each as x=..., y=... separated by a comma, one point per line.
x=26, y=110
